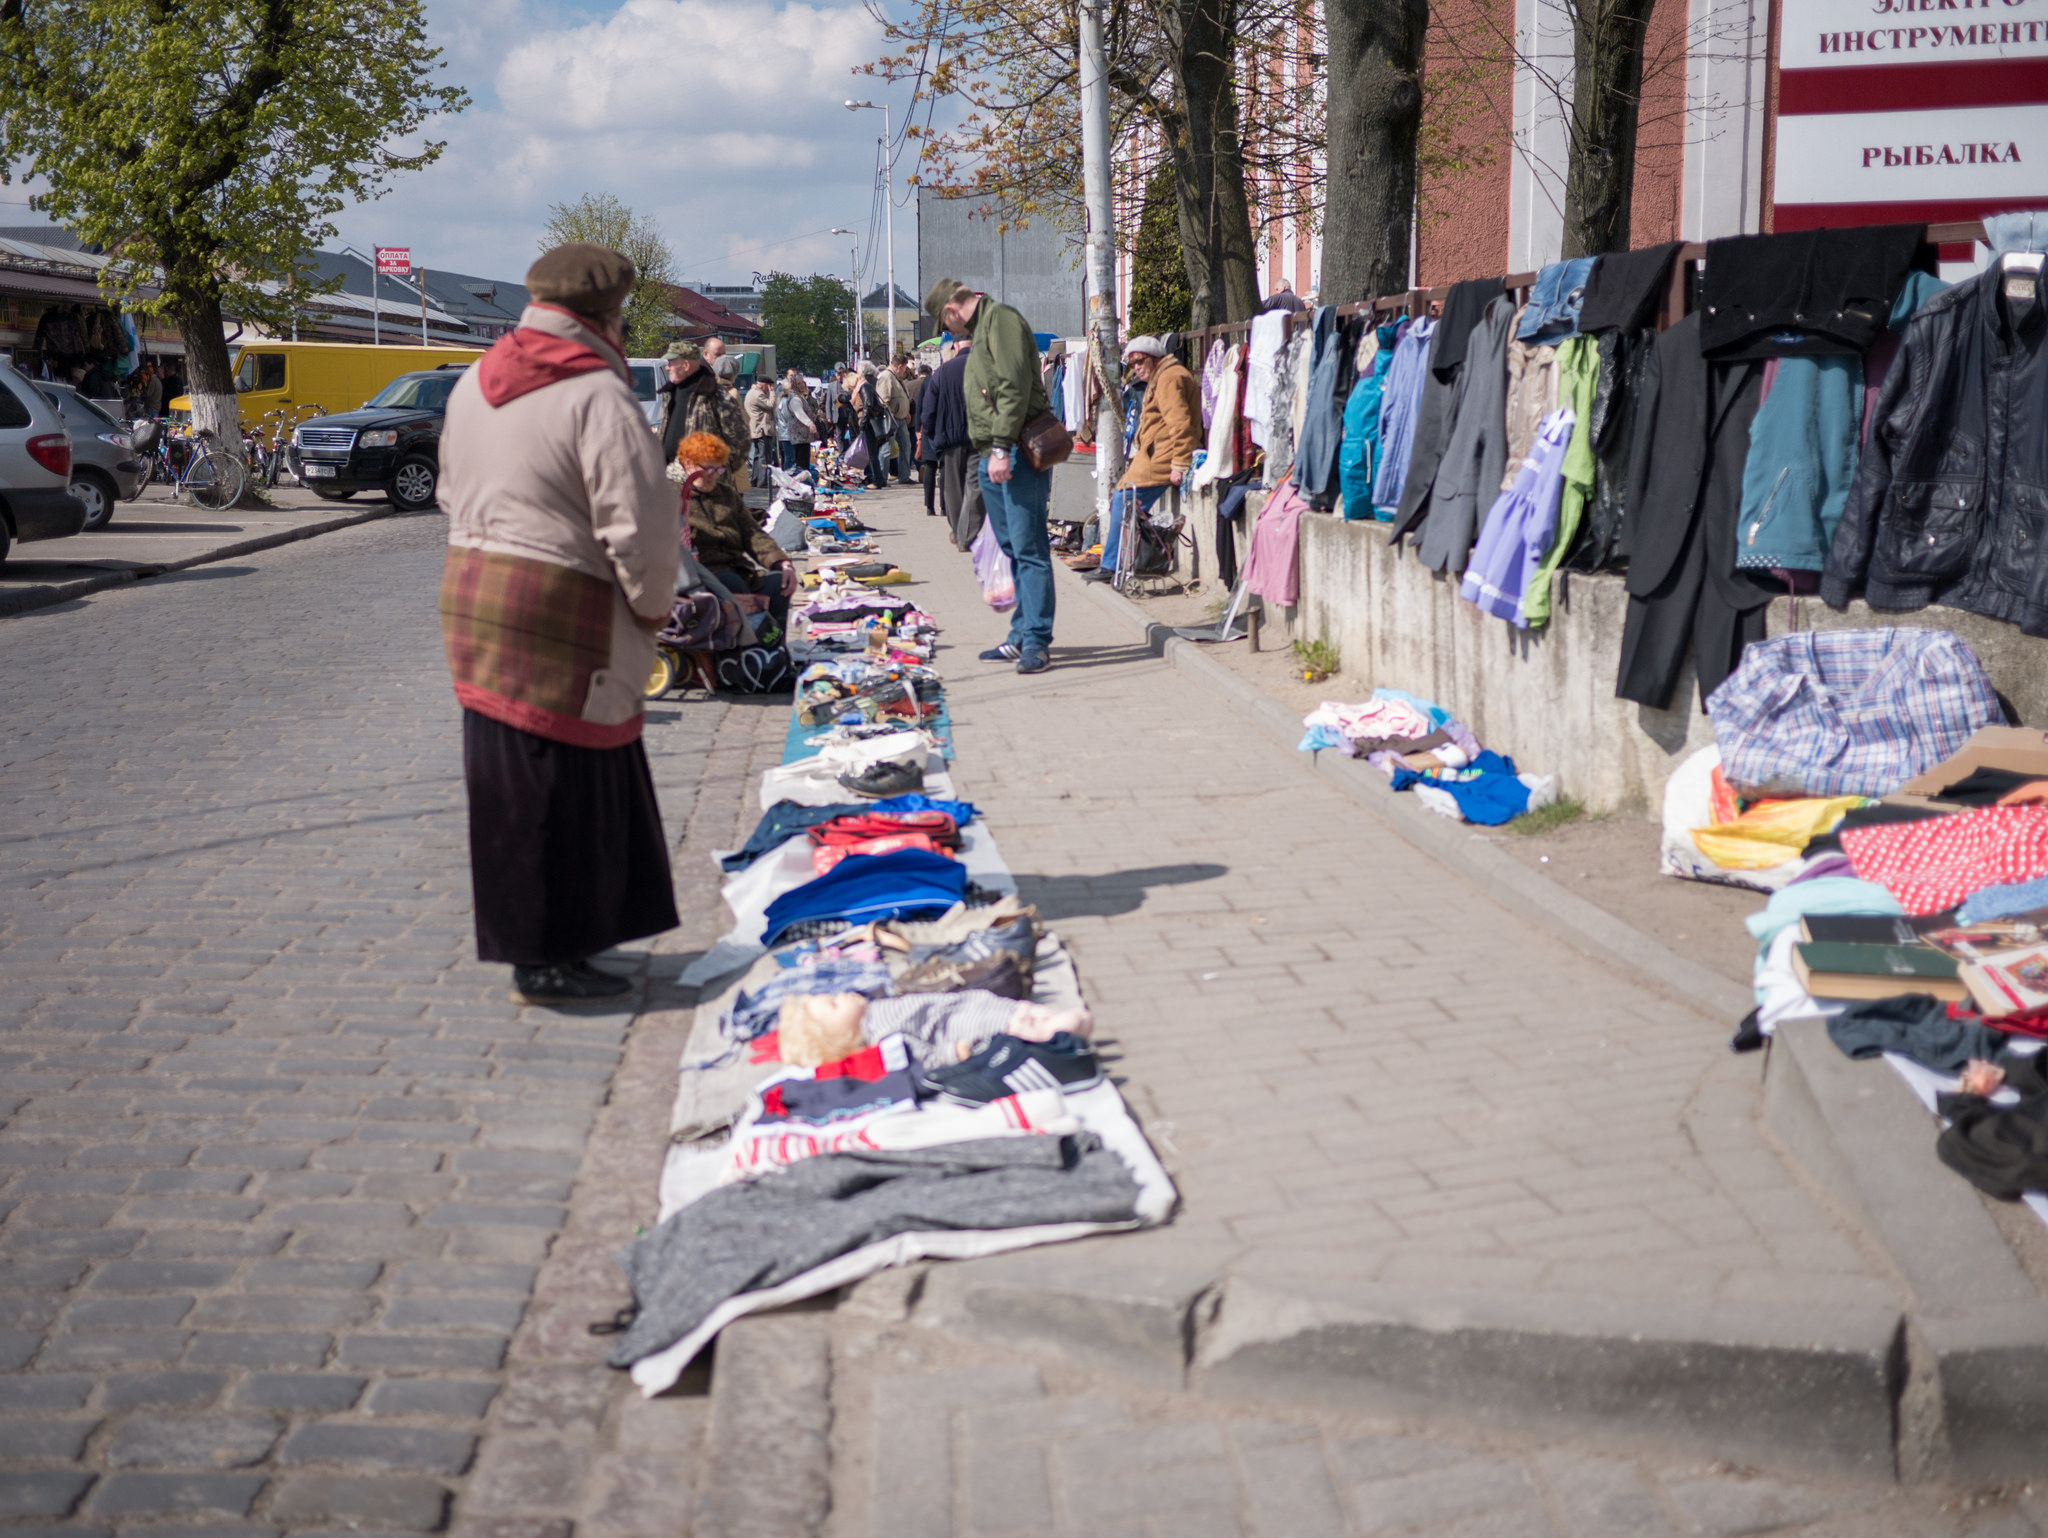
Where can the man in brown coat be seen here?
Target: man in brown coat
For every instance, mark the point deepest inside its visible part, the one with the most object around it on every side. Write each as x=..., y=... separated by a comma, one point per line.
x=1169, y=432
x=563, y=549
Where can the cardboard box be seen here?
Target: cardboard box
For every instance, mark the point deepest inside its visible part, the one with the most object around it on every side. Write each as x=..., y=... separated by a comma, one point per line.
x=2020, y=749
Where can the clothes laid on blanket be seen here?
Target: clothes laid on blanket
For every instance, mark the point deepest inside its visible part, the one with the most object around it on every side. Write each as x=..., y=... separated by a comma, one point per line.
x=936, y=1025
x=1000, y=959
x=908, y=884
x=1625, y=287
x=1555, y=300
x=1578, y=368
x=1809, y=291
x=1913, y=1025
x=1684, y=498
x=1272, y=566
x=759, y=1145
x=753, y=1011
x=2004, y=900
x=2002, y=1150
x=1932, y=865
x=1469, y=473
x=1520, y=527
x=1400, y=402
x=781, y=822
x=1359, y=455
x=1848, y=712
x=754, y=1235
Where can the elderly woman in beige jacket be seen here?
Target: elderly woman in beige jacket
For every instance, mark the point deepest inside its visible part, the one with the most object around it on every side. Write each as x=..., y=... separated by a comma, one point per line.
x=563, y=547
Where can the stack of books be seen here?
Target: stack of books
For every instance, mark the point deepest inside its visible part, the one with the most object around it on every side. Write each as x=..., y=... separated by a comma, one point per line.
x=2001, y=967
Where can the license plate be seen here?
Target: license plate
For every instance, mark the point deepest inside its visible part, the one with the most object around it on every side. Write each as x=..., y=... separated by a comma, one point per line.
x=320, y=472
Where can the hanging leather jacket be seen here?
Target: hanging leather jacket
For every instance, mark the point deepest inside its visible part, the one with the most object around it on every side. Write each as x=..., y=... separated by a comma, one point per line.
x=1950, y=504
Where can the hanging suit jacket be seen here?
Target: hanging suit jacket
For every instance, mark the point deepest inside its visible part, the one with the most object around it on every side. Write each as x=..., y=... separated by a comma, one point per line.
x=1684, y=500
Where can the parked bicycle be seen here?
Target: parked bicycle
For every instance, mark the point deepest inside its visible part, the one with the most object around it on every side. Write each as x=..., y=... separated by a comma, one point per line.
x=269, y=443
x=196, y=466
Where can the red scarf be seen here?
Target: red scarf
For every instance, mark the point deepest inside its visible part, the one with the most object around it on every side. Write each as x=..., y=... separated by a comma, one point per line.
x=529, y=360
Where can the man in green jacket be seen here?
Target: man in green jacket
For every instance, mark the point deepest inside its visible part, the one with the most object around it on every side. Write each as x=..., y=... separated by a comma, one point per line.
x=1004, y=392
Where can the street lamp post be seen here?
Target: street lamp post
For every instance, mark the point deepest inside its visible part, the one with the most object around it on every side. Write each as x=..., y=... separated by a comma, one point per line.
x=853, y=329
x=888, y=213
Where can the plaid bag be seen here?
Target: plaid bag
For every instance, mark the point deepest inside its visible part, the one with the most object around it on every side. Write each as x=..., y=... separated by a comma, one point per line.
x=1848, y=712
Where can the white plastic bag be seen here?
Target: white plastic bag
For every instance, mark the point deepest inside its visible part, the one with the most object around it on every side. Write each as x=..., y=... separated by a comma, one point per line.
x=998, y=585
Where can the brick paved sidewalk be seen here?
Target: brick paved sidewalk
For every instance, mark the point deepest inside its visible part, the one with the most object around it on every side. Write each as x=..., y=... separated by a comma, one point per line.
x=1355, y=1063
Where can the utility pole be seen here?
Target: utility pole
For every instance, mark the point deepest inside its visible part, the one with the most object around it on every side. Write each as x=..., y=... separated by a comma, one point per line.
x=888, y=213
x=1103, y=349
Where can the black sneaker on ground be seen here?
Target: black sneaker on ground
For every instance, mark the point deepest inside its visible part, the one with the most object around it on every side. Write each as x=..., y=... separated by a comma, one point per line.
x=1003, y=653
x=577, y=983
x=1033, y=660
x=881, y=781
x=1009, y=1065
x=1100, y=574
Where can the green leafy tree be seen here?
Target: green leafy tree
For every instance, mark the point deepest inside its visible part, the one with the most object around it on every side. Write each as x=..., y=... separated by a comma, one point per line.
x=1161, y=300
x=206, y=145
x=806, y=319
x=602, y=219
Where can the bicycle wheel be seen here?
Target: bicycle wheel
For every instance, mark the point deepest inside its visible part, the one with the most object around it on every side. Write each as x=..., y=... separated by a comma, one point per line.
x=215, y=480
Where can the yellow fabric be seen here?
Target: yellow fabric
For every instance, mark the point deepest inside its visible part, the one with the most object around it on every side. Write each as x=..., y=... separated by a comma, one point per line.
x=1773, y=832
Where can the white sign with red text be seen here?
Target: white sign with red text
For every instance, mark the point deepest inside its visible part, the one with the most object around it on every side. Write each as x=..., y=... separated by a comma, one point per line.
x=1898, y=111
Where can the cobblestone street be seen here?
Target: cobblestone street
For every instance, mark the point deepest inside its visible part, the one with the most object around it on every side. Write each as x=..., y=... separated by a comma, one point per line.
x=303, y=1223
x=282, y=1160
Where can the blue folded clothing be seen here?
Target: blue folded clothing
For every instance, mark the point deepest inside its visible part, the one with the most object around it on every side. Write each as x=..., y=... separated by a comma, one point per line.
x=910, y=883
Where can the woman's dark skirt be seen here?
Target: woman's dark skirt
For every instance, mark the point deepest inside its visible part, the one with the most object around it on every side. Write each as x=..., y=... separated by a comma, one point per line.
x=565, y=846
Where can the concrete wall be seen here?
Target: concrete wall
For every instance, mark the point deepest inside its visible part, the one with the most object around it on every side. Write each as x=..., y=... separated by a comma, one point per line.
x=1546, y=698
x=1037, y=269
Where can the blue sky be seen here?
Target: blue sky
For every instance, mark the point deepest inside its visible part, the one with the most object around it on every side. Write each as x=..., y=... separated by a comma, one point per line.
x=719, y=118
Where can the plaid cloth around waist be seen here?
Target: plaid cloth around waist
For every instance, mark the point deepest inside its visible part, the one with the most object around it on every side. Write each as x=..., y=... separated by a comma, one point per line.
x=524, y=639
x=1848, y=712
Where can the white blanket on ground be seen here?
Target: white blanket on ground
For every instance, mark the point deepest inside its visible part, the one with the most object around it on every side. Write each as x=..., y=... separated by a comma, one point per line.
x=690, y=1172
x=748, y=893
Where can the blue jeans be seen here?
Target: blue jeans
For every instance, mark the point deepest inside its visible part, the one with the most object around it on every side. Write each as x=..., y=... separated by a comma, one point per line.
x=1016, y=510
x=1145, y=496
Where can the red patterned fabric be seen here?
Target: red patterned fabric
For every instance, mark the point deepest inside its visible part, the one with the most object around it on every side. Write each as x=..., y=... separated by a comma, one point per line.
x=1934, y=864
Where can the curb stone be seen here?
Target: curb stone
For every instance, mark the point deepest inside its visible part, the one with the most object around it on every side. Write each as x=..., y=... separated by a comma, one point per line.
x=32, y=598
x=1960, y=1391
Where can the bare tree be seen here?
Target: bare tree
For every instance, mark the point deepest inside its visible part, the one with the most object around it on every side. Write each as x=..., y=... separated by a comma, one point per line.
x=1375, y=122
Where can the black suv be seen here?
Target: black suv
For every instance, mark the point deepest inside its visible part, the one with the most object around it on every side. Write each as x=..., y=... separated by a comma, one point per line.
x=392, y=445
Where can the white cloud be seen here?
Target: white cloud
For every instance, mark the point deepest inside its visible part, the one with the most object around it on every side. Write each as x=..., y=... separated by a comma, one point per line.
x=720, y=118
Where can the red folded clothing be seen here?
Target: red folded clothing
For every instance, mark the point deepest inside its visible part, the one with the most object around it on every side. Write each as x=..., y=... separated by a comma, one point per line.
x=859, y=827
x=825, y=856
x=1937, y=863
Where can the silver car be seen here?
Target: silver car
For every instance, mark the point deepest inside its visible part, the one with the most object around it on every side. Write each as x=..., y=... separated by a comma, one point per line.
x=105, y=468
x=35, y=466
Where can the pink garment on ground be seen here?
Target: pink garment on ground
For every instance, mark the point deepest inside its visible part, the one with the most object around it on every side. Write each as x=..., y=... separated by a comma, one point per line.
x=1936, y=863
x=1272, y=567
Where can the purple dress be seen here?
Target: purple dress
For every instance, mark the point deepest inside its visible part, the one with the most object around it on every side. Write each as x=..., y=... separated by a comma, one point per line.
x=1520, y=525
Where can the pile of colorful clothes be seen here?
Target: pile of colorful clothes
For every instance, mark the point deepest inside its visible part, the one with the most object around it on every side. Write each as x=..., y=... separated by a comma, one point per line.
x=1421, y=747
x=1920, y=934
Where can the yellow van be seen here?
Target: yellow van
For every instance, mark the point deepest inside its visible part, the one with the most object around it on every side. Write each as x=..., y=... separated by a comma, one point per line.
x=335, y=376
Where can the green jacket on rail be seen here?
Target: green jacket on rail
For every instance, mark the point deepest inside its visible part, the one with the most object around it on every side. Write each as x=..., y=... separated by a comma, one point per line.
x=1002, y=385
